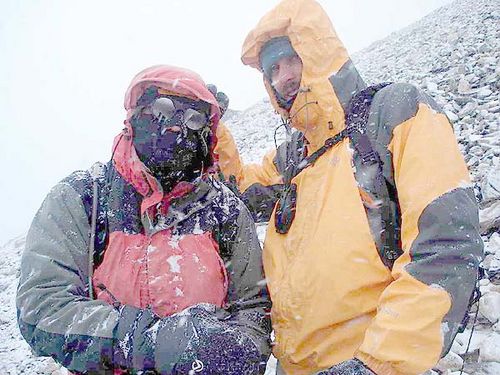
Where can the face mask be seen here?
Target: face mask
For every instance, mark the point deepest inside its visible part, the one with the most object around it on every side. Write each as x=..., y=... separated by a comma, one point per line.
x=171, y=137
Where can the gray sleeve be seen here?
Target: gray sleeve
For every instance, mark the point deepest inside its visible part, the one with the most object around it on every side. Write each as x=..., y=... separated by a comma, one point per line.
x=447, y=253
x=260, y=200
x=55, y=315
x=248, y=299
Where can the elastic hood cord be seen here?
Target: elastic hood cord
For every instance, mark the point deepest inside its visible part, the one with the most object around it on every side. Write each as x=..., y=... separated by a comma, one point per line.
x=96, y=172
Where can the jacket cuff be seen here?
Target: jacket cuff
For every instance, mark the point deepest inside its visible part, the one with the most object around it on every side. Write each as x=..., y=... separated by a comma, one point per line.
x=378, y=367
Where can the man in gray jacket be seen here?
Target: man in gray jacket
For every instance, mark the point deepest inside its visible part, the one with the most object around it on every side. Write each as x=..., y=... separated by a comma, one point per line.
x=150, y=265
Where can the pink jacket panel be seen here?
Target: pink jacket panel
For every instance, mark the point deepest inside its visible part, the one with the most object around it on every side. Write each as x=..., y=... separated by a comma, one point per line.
x=165, y=273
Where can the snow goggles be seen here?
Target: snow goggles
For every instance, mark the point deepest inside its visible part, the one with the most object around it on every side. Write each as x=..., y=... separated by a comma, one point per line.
x=171, y=111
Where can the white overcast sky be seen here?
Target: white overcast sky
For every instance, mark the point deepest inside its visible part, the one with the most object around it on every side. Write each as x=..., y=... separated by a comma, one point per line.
x=65, y=65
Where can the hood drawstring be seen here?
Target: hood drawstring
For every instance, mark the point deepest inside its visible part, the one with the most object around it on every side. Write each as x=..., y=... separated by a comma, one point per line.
x=203, y=135
x=284, y=123
x=97, y=172
x=306, y=106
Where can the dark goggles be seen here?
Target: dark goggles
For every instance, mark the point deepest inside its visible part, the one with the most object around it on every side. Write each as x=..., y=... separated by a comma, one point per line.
x=171, y=111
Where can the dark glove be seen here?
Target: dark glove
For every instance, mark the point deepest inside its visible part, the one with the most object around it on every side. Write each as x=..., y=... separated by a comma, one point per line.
x=134, y=342
x=143, y=341
x=351, y=367
x=221, y=98
x=231, y=184
x=218, y=347
x=178, y=344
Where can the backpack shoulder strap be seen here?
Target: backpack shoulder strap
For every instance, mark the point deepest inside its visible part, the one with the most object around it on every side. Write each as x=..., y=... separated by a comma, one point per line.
x=387, y=232
x=289, y=155
x=356, y=119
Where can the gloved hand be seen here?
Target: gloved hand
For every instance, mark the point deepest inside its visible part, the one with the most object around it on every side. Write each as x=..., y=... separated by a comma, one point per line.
x=133, y=348
x=144, y=341
x=193, y=339
x=217, y=346
x=221, y=98
x=231, y=184
x=351, y=367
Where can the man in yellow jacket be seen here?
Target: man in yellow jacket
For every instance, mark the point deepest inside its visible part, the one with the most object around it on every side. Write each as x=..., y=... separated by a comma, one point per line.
x=342, y=303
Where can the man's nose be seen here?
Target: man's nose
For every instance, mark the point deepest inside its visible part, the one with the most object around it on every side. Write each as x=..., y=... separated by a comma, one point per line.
x=286, y=74
x=178, y=117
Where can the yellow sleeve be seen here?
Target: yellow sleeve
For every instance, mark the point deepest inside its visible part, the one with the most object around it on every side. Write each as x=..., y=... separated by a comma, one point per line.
x=420, y=311
x=246, y=175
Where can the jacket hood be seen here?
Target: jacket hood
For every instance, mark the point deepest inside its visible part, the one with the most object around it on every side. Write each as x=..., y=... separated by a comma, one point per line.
x=180, y=82
x=317, y=110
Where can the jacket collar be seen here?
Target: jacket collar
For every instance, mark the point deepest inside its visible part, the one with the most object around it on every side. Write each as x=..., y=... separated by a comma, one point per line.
x=198, y=196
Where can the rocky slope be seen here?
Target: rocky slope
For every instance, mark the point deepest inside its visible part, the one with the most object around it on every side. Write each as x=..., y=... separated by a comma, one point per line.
x=453, y=54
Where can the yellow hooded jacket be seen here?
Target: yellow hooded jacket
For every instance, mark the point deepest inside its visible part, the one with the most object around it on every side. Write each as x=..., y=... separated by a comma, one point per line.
x=333, y=297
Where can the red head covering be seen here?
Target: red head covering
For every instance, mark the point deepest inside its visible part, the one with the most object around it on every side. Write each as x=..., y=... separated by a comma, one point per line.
x=178, y=81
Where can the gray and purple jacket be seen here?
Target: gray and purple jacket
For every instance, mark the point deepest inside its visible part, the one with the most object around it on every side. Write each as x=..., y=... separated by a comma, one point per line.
x=177, y=277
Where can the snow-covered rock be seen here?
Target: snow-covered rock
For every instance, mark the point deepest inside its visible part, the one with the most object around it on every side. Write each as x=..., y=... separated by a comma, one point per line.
x=494, y=243
x=453, y=54
x=489, y=306
x=466, y=343
x=15, y=354
x=489, y=216
x=488, y=368
x=490, y=205
x=489, y=350
x=451, y=362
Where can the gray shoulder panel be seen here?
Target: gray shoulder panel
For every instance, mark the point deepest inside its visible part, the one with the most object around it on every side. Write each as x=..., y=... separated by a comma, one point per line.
x=53, y=291
x=392, y=106
x=447, y=252
x=346, y=83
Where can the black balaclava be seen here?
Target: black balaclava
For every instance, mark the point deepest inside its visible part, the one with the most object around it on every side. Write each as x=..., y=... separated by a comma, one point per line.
x=172, y=156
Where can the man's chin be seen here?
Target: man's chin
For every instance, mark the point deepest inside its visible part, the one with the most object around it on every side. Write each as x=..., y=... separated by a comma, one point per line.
x=291, y=96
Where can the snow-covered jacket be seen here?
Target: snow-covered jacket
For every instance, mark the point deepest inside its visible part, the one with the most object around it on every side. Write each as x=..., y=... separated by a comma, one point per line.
x=334, y=296
x=177, y=277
